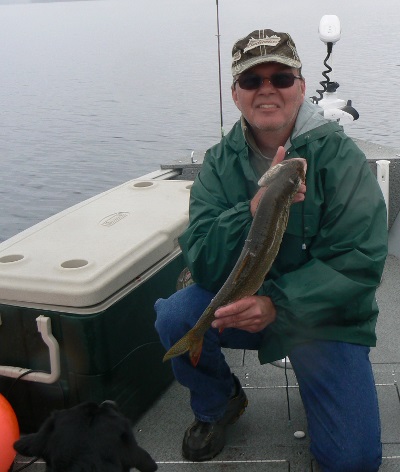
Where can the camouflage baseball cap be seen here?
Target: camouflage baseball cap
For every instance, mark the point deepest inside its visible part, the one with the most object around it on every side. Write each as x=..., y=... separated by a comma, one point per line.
x=264, y=46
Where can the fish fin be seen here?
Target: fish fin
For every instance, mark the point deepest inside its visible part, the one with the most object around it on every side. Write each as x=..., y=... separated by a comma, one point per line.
x=195, y=351
x=242, y=266
x=177, y=349
x=190, y=342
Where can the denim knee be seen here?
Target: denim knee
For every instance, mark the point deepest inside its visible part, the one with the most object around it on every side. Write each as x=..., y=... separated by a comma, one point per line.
x=180, y=312
x=167, y=324
x=356, y=453
x=338, y=391
x=364, y=461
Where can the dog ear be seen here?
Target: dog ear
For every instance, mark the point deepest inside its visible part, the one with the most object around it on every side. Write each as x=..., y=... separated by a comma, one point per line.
x=143, y=461
x=131, y=454
x=34, y=445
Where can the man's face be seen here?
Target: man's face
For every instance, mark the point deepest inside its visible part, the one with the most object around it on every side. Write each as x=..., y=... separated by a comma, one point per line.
x=268, y=108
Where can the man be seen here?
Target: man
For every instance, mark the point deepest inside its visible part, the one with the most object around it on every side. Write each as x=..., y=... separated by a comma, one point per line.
x=317, y=304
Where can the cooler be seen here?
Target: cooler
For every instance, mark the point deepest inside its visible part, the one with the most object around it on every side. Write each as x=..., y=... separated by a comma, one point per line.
x=92, y=273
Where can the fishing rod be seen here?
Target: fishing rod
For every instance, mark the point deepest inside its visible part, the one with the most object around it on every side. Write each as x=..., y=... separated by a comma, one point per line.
x=219, y=73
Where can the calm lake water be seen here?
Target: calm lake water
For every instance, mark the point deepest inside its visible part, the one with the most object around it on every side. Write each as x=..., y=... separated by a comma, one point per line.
x=94, y=93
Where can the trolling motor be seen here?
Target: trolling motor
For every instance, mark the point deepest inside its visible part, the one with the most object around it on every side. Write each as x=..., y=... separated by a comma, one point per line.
x=334, y=108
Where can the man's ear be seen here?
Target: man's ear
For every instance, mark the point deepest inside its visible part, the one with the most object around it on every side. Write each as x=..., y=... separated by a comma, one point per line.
x=234, y=95
x=303, y=86
x=34, y=445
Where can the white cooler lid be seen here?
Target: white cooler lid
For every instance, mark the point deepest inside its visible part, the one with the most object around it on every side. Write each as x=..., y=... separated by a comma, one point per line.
x=83, y=255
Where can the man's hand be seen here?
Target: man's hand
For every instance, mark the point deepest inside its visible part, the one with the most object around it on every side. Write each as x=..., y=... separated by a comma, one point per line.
x=300, y=195
x=251, y=314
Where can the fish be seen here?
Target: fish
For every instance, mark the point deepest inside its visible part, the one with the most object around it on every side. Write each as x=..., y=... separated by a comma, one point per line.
x=261, y=247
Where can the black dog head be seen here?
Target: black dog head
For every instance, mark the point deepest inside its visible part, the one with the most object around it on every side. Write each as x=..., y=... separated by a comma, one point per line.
x=87, y=438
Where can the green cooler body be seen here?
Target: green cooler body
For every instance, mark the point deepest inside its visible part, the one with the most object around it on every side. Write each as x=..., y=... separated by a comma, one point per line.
x=93, y=274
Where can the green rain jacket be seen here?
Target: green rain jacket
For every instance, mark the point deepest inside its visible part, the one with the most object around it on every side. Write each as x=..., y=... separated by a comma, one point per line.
x=324, y=278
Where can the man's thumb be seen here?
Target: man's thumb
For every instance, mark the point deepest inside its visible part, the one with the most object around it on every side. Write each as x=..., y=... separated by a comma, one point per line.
x=279, y=156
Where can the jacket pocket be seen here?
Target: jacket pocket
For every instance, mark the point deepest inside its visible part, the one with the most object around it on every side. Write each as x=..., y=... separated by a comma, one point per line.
x=299, y=234
x=303, y=224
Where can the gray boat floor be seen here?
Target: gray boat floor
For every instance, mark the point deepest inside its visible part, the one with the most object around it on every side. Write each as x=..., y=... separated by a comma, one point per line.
x=263, y=439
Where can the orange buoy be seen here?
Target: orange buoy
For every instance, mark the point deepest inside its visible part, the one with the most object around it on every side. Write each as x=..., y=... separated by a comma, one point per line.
x=9, y=433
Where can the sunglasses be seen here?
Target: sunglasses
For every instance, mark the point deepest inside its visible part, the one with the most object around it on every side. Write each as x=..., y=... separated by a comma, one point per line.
x=278, y=80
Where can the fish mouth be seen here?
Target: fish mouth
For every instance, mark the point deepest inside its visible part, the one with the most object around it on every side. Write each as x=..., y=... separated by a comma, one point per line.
x=303, y=170
x=303, y=174
x=304, y=166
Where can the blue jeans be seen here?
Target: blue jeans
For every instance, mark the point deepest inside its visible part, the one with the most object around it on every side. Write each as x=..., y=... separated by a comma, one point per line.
x=335, y=381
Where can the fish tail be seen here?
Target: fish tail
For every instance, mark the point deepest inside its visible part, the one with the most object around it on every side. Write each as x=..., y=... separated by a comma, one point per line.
x=190, y=342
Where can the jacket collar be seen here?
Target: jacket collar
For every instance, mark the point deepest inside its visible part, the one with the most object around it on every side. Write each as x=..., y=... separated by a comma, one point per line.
x=310, y=125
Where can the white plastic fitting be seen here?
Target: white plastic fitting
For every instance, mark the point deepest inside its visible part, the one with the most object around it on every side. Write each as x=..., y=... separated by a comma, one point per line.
x=382, y=175
x=44, y=328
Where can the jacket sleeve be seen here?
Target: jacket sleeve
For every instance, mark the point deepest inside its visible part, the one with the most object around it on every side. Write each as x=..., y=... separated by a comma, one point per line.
x=337, y=284
x=218, y=225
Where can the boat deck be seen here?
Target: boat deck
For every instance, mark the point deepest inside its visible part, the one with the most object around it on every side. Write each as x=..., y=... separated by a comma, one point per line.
x=263, y=438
